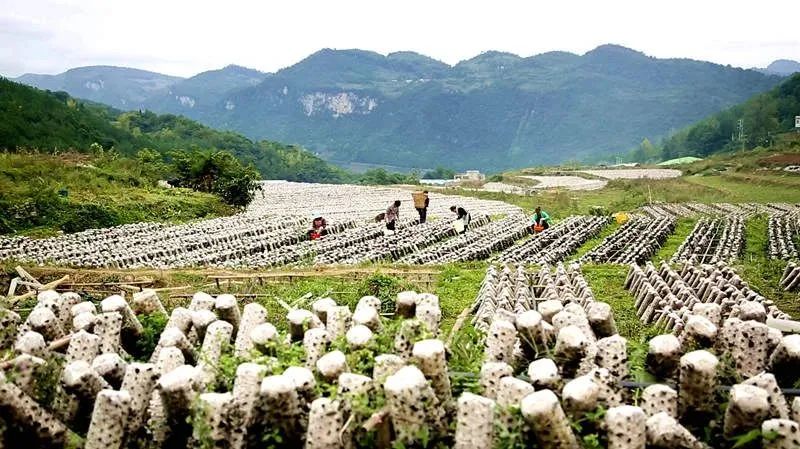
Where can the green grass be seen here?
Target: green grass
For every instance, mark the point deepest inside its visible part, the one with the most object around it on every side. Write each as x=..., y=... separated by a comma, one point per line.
x=41, y=194
x=762, y=273
x=608, y=285
x=457, y=289
x=740, y=188
x=593, y=242
x=682, y=229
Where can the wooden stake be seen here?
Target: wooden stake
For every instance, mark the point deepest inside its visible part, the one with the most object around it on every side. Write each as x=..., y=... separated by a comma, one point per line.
x=25, y=275
x=48, y=286
x=12, y=287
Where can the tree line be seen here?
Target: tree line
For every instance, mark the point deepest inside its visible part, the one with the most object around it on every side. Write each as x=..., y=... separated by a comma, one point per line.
x=33, y=119
x=754, y=123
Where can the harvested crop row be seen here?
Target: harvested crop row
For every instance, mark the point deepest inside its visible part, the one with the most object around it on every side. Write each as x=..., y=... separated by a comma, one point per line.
x=634, y=242
x=221, y=376
x=263, y=235
x=555, y=243
x=712, y=240
x=790, y=280
x=784, y=236
x=666, y=296
x=310, y=248
x=661, y=210
x=510, y=291
x=478, y=244
x=406, y=241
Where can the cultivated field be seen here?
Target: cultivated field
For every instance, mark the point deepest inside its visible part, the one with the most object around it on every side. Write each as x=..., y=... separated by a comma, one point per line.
x=566, y=182
x=505, y=188
x=271, y=232
x=635, y=173
x=673, y=329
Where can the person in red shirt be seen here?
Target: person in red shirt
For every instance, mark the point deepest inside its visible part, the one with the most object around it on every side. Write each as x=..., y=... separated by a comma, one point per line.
x=318, y=228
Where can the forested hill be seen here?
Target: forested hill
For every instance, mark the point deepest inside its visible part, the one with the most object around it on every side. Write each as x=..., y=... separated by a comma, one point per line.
x=763, y=117
x=50, y=121
x=494, y=111
x=120, y=87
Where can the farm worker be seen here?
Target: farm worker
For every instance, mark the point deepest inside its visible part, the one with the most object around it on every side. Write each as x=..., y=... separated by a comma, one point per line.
x=421, y=202
x=318, y=228
x=392, y=215
x=462, y=215
x=540, y=219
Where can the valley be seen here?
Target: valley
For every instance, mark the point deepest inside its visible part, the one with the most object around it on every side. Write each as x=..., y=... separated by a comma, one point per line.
x=596, y=248
x=361, y=305
x=495, y=111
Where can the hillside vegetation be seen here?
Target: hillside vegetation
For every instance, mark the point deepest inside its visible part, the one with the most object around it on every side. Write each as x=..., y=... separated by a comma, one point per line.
x=41, y=194
x=764, y=118
x=69, y=165
x=738, y=177
x=48, y=122
x=494, y=111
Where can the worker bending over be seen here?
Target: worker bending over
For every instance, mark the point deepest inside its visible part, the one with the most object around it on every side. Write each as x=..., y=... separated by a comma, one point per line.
x=540, y=220
x=392, y=215
x=463, y=217
x=318, y=228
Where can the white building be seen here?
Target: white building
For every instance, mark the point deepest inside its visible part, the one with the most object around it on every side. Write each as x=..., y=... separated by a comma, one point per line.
x=470, y=175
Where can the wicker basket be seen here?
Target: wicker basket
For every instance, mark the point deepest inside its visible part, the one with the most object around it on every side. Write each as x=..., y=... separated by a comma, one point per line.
x=419, y=200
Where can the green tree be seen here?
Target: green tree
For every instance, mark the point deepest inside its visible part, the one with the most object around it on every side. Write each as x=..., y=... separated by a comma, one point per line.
x=379, y=176
x=763, y=116
x=439, y=173
x=151, y=163
x=645, y=152
x=760, y=120
x=217, y=172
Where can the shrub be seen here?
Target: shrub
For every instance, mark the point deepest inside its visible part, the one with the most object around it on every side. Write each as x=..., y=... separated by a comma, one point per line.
x=383, y=287
x=153, y=324
x=88, y=216
x=217, y=172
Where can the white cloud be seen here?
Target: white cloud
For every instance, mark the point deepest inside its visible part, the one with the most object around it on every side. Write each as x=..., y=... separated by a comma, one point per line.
x=186, y=37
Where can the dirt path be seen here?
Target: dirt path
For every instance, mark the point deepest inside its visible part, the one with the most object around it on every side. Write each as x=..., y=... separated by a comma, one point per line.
x=636, y=173
x=506, y=188
x=566, y=182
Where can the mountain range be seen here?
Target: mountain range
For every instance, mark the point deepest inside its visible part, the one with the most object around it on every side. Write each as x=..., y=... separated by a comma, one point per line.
x=782, y=67
x=765, y=119
x=494, y=111
x=36, y=120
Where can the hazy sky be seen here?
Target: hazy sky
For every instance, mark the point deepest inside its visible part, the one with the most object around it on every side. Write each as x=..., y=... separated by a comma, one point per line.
x=187, y=37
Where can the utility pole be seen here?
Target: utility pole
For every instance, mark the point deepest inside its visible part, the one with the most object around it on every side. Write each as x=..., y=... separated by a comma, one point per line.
x=740, y=128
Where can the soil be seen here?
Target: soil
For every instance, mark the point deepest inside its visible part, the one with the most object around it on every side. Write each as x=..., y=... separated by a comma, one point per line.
x=781, y=159
x=566, y=182
x=636, y=173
